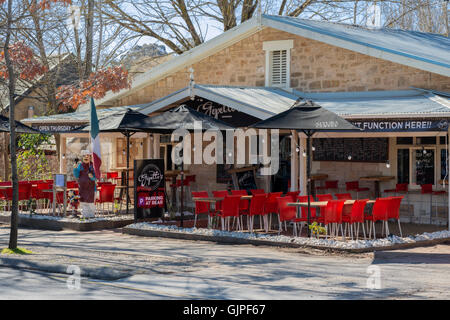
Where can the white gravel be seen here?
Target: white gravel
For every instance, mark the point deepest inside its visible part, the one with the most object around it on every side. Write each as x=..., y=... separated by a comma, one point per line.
x=349, y=244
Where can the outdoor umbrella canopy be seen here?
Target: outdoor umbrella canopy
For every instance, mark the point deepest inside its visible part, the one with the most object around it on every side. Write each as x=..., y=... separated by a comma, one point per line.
x=309, y=118
x=181, y=117
x=20, y=127
x=119, y=122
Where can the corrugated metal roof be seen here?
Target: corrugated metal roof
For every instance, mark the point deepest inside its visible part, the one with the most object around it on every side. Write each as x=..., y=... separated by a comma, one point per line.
x=79, y=117
x=419, y=104
x=426, y=47
x=260, y=102
x=264, y=102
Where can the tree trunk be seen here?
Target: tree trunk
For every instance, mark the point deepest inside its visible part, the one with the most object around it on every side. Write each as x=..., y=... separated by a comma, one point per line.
x=11, y=88
x=89, y=39
x=5, y=157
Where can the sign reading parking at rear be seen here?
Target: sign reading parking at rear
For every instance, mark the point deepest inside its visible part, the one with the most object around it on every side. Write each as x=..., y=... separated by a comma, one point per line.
x=149, y=188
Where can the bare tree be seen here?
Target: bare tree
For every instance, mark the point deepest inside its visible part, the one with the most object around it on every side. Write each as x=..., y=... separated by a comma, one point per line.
x=184, y=24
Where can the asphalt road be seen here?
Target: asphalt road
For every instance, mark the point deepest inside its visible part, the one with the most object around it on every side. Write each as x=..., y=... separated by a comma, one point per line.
x=156, y=268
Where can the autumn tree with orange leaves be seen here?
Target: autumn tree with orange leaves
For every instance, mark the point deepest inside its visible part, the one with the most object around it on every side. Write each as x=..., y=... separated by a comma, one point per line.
x=19, y=62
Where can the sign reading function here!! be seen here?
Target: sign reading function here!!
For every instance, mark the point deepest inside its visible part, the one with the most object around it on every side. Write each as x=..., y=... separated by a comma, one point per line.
x=149, y=187
x=402, y=125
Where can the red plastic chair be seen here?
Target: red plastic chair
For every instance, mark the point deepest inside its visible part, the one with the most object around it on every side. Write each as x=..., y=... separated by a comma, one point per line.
x=324, y=197
x=271, y=202
x=354, y=186
x=72, y=184
x=304, y=210
x=332, y=214
x=399, y=187
x=219, y=194
x=329, y=184
x=286, y=213
x=257, y=209
x=343, y=196
x=230, y=208
x=244, y=204
x=106, y=194
x=201, y=207
x=356, y=216
x=271, y=207
x=257, y=191
x=393, y=211
x=379, y=213
x=24, y=192
x=293, y=195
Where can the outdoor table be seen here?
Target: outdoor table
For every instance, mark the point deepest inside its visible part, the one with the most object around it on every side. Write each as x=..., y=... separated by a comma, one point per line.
x=377, y=180
x=314, y=177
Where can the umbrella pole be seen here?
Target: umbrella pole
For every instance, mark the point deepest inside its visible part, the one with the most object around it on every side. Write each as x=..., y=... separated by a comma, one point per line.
x=128, y=165
x=308, y=177
x=181, y=200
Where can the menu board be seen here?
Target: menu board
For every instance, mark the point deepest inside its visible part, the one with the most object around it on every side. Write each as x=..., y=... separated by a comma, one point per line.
x=360, y=149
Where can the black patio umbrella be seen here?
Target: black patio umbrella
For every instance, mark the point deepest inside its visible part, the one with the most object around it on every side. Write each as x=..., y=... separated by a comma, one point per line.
x=20, y=127
x=181, y=117
x=309, y=118
x=120, y=122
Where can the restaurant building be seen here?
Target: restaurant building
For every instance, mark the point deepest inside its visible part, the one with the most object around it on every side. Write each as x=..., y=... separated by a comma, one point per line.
x=393, y=84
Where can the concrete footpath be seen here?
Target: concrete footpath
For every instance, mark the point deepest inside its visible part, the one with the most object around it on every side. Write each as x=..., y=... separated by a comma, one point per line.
x=154, y=268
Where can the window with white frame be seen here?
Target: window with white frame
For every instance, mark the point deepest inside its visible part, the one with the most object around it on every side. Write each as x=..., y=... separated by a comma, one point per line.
x=278, y=60
x=422, y=160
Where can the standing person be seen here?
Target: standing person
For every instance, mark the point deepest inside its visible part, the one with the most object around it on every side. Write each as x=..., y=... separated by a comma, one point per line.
x=84, y=173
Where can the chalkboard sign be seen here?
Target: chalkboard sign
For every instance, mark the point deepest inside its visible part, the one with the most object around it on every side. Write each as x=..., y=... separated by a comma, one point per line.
x=360, y=149
x=149, y=188
x=243, y=178
x=246, y=180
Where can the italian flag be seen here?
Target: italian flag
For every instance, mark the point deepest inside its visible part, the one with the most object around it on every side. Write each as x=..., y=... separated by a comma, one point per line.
x=95, y=141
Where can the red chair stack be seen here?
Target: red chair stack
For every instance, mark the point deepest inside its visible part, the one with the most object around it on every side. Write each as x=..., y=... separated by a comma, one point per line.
x=332, y=214
x=243, y=205
x=393, y=211
x=230, y=208
x=257, y=209
x=379, y=213
x=356, y=216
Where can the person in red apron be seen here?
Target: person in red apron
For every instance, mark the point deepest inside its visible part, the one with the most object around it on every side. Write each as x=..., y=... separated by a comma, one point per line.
x=84, y=173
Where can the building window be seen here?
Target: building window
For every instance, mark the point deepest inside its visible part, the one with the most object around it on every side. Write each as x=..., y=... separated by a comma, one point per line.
x=278, y=60
x=426, y=140
x=404, y=140
x=403, y=166
x=423, y=166
x=423, y=162
x=444, y=173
